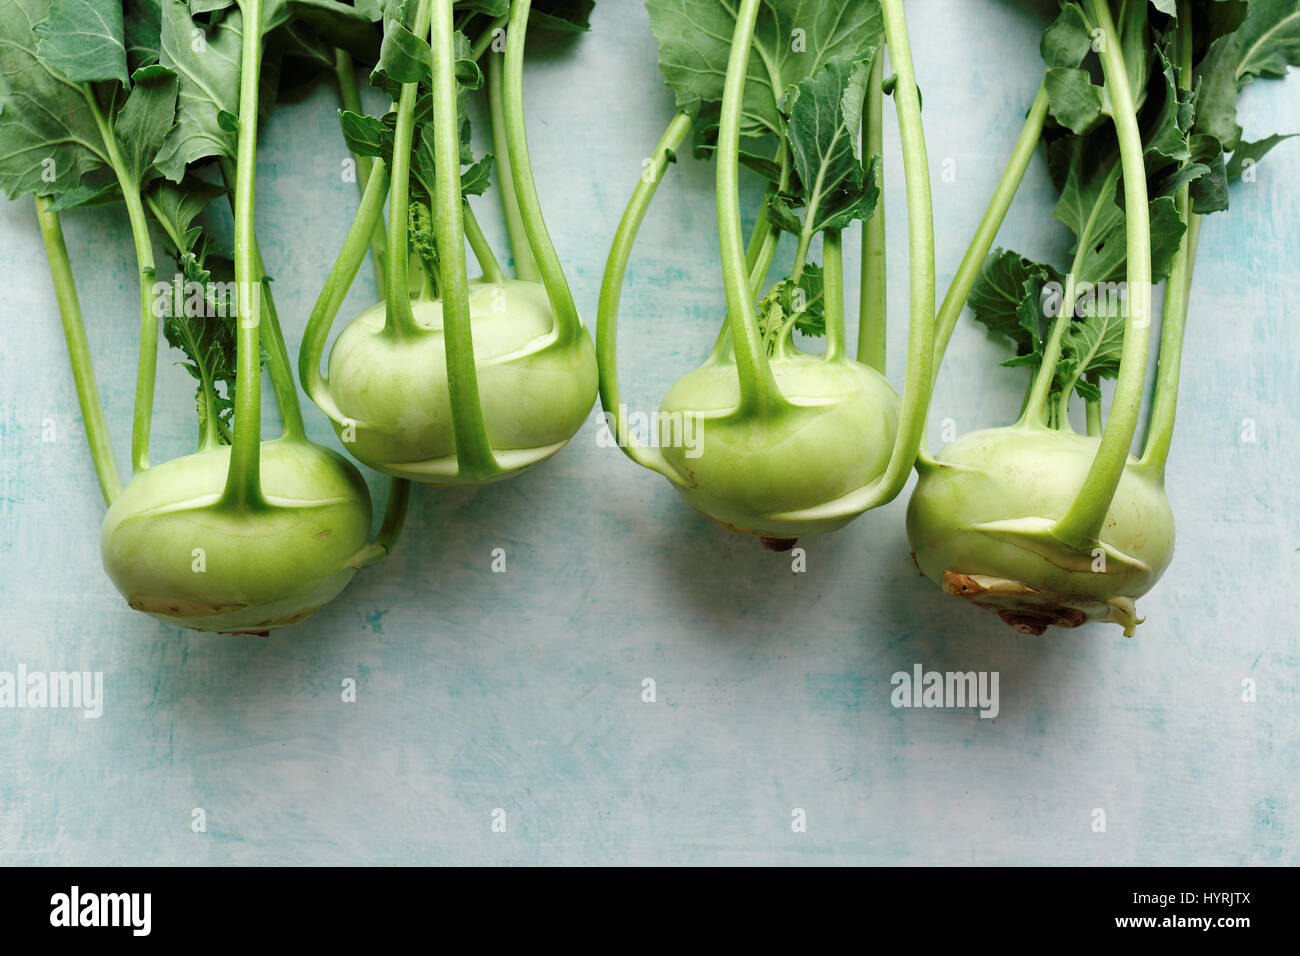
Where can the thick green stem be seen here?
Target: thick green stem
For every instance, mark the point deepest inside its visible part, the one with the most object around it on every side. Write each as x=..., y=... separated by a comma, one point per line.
x=872, y=317
x=1092, y=410
x=244, y=481
x=759, y=394
x=473, y=451
x=337, y=283
x=399, y=498
x=1035, y=409
x=833, y=254
x=487, y=36
x=568, y=323
x=487, y=262
x=1164, y=408
x=83, y=370
x=920, y=239
x=350, y=97
x=611, y=291
x=147, y=372
x=399, y=320
x=982, y=242
x=1082, y=524
x=280, y=366
x=525, y=265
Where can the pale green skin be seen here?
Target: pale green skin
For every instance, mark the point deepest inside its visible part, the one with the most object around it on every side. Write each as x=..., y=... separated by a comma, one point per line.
x=535, y=391
x=783, y=477
x=980, y=526
x=265, y=569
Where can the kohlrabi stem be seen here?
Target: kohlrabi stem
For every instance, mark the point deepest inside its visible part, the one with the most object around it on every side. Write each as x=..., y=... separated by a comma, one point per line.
x=350, y=97
x=474, y=457
x=759, y=394
x=1091, y=410
x=337, y=284
x=399, y=497
x=487, y=36
x=920, y=240
x=973, y=261
x=244, y=479
x=147, y=373
x=1164, y=407
x=478, y=242
x=399, y=320
x=611, y=290
x=1082, y=524
x=765, y=237
x=833, y=256
x=279, y=366
x=83, y=370
x=568, y=323
x=525, y=264
x=872, y=316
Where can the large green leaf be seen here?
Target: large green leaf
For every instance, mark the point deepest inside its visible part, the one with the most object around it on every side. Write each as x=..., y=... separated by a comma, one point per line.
x=824, y=119
x=84, y=40
x=793, y=39
x=49, y=143
x=1269, y=39
x=206, y=63
x=146, y=119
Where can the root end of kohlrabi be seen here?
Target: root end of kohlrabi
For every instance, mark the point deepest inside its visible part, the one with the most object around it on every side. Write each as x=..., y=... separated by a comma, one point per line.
x=779, y=544
x=1032, y=612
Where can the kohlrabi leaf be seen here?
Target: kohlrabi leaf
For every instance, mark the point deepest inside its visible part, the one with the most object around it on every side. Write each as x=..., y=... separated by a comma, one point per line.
x=1269, y=39
x=49, y=142
x=350, y=27
x=206, y=63
x=101, y=188
x=199, y=320
x=84, y=40
x=1074, y=100
x=824, y=120
x=1093, y=344
x=793, y=39
x=368, y=135
x=145, y=119
x=1247, y=154
x=792, y=305
x=143, y=28
x=1209, y=192
x=1067, y=41
x=1216, y=92
x=424, y=245
x=1007, y=299
x=565, y=16
x=177, y=205
x=403, y=58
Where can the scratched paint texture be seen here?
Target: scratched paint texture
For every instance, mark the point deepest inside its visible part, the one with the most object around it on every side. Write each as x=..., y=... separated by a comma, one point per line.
x=522, y=690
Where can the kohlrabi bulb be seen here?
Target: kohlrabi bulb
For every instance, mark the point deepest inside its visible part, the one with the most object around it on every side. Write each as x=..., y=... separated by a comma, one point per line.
x=176, y=552
x=787, y=474
x=393, y=407
x=980, y=526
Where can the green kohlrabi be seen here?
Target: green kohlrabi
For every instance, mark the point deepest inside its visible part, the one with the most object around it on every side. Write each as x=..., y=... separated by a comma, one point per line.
x=1036, y=522
x=140, y=103
x=457, y=380
x=766, y=438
